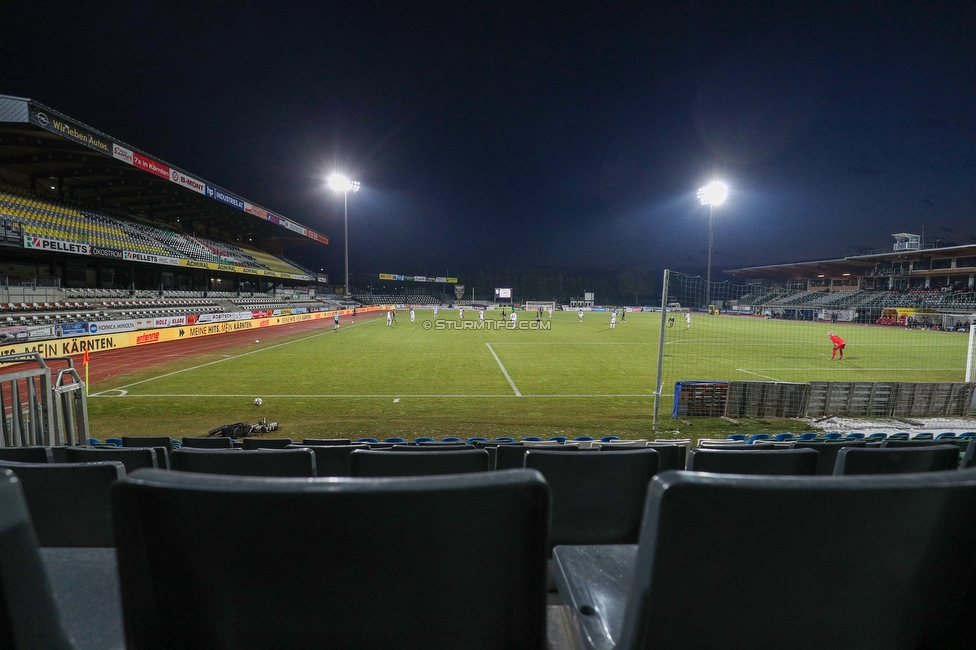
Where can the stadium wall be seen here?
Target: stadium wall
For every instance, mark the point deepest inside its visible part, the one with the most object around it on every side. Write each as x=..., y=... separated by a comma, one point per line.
x=79, y=344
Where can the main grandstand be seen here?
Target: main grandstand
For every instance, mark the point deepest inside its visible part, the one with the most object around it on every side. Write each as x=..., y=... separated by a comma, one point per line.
x=93, y=229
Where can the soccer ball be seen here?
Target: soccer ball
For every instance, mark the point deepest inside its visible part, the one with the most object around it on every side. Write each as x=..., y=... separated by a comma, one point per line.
x=258, y=401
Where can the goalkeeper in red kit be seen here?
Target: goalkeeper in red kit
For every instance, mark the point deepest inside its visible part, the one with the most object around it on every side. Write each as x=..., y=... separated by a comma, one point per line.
x=839, y=344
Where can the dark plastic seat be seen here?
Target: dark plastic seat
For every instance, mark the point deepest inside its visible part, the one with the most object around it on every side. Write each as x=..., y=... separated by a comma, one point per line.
x=431, y=446
x=115, y=442
x=597, y=498
x=39, y=610
x=417, y=463
x=27, y=454
x=161, y=446
x=325, y=442
x=671, y=456
x=828, y=452
x=133, y=458
x=895, y=460
x=782, y=462
x=969, y=454
x=208, y=443
x=917, y=576
x=257, y=462
x=901, y=435
x=513, y=456
x=70, y=503
x=442, y=562
x=331, y=460
x=266, y=443
x=968, y=435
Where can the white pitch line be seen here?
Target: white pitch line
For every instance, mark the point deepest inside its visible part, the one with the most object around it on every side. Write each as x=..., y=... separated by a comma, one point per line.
x=567, y=343
x=236, y=356
x=758, y=375
x=504, y=372
x=375, y=395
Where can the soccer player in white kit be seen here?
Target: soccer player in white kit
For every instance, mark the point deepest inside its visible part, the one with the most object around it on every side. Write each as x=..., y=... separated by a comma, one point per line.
x=435, y=312
x=412, y=316
x=550, y=312
x=613, y=319
x=389, y=318
x=514, y=319
x=688, y=320
x=580, y=314
x=461, y=313
x=481, y=316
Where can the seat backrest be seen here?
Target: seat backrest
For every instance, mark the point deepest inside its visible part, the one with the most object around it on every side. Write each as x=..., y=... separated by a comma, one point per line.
x=597, y=497
x=431, y=447
x=258, y=462
x=796, y=462
x=266, y=443
x=325, y=442
x=29, y=616
x=69, y=503
x=27, y=454
x=331, y=460
x=148, y=441
x=918, y=523
x=219, y=442
x=892, y=444
x=828, y=453
x=132, y=458
x=969, y=456
x=433, y=562
x=904, y=460
x=417, y=463
x=672, y=456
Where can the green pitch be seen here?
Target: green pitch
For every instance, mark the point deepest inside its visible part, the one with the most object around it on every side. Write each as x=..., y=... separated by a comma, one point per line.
x=571, y=378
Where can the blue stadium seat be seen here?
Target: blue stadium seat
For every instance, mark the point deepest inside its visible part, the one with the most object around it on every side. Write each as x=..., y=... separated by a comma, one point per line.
x=559, y=439
x=854, y=436
x=809, y=435
x=945, y=436
x=737, y=436
x=583, y=438
x=608, y=438
x=452, y=439
x=419, y=440
x=756, y=437
x=832, y=435
x=531, y=439
x=368, y=440
x=94, y=441
x=783, y=437
x=877, y=436
x=114, y=441
x=923, y=436
x=901, y=435
x=969, y=435
x=395, y=440
x=475, y=439
x=504, y=439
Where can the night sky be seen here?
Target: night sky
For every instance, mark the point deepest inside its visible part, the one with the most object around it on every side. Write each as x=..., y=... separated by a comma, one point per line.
x=490, y=135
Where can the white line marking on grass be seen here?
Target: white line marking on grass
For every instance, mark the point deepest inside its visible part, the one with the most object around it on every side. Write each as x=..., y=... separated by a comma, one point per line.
x=758, y=375
x=396, y=400
x=236, y=356
x=839, y=366
x=504, y=372
x=567, y=343
x=383, y=395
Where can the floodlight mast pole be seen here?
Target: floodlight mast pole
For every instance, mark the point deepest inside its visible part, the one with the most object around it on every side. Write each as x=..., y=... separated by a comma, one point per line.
x=711, y=195
x=345, y=237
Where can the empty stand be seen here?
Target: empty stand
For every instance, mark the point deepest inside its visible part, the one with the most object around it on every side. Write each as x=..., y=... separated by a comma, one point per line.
x=259, y=462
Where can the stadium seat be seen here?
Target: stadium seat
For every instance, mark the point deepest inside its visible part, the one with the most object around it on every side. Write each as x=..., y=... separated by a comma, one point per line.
x=69, y=503
x=894, y=460
x=368, y=440
x=266, y=443
x=432, y=446
x=597, y=498
x=672, y=456
x=475, y=439
x=901, y=435
x=513, y=456
x=208, y=443
x=923, y=436
x=27, y=454
x=531, y=439
x=969, y=455
x=793, y=462
x=322, y=442
x=257, y=462
x=148, y=441
x=440, y=562
x=54, y=612
x=783, y=437
x=608, y=438
x=877, y=436
x=854, y=436
x=583, y=438
x=828, y=453
x=969, y=435
x=891, y=443
x=736, y=436
x=559, y=439
x=133, y=459
x=832, y=435
x=395, y=440
x=504, y=439
x=417, y=463
x=452, y=439
x=807, y=436
x=114, y=441
x=644, y=596
x=757, y=438
x=423, y=439
x=331, y=460
x=947, y=435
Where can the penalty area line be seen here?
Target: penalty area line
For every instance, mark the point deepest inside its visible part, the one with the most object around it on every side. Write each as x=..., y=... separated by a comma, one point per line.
x=504, y=372
x=384, y=396
x=749, y=372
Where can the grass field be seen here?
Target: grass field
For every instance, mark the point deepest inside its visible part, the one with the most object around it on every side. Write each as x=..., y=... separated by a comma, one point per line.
x=367, y=379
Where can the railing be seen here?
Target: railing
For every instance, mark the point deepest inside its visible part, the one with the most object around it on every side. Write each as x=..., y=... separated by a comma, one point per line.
x=35, y=411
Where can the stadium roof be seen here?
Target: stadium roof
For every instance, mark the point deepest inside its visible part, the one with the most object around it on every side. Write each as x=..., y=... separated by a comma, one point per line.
x=80, y=163
x=854, y=265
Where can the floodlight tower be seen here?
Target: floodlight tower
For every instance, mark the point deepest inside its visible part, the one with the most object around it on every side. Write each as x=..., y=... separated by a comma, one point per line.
x=340, y=183
x=711, y=195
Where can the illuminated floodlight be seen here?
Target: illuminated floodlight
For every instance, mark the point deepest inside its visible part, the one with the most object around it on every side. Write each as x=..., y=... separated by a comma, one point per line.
x=714, y=193
x=340, y=183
